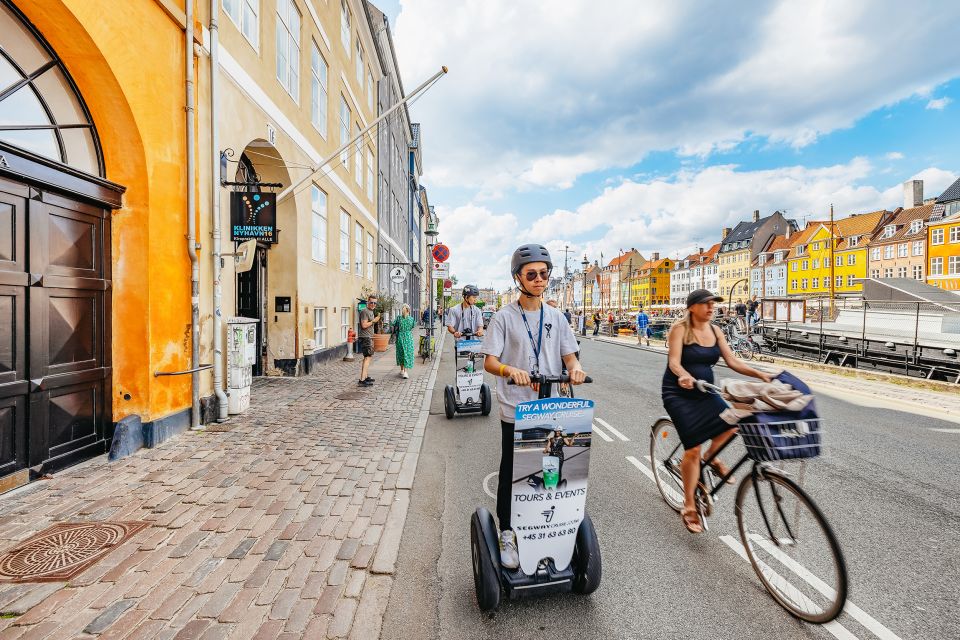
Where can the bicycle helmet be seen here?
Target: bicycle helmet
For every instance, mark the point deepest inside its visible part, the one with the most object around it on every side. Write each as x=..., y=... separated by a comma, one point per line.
x=528, y=253
x=470, y=290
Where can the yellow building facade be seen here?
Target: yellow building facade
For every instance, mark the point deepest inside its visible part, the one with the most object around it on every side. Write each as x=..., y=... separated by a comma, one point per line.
x=943, y=258
x=651, y=283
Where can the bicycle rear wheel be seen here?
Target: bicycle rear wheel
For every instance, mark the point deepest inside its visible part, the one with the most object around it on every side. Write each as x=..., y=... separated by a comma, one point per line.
x=666, y=452
x=791, y=546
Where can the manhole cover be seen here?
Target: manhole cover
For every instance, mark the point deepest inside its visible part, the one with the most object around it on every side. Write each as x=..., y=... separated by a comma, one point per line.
x=350, y=395
x=64, y=550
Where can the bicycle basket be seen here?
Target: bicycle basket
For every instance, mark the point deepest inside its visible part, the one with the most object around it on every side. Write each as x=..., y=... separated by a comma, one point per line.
x=782, y=440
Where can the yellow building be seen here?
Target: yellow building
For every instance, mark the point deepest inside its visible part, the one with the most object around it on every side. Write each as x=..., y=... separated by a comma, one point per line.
x=651, y=282
x=943, y=239
x=738, y=249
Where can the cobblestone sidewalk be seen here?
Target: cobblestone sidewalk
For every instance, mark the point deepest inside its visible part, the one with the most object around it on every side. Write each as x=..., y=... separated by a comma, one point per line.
x=286, y=524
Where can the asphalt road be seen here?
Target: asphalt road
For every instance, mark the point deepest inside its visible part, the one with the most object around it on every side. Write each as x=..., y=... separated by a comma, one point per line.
x=888, y=485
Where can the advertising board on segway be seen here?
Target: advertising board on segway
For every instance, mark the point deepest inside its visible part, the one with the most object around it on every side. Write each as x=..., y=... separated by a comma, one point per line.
x=469, y=394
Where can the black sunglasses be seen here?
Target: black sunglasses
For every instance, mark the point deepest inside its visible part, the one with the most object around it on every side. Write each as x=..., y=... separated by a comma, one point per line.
x=543, y=274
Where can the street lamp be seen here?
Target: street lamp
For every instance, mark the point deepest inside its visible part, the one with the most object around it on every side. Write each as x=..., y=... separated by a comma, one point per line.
x=583, y=296
x=431, y=234
x=732, y=287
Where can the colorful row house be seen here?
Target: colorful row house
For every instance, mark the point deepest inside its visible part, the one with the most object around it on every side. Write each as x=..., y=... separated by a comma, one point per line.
x=768, y=277
x=944, y=241
x=740, y=246
x=650, y=284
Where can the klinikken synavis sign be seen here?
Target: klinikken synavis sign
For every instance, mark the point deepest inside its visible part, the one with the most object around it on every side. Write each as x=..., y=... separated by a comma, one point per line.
x=253, y=215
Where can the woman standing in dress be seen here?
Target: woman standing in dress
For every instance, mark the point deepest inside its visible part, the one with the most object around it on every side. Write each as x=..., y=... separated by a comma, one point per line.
x=694, y=345
x=404, y=328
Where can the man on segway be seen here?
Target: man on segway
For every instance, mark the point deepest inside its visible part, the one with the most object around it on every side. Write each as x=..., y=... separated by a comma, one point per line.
x=514, y=352
x=465, y=316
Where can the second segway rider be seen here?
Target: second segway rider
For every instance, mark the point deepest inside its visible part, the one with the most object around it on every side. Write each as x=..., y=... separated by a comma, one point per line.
x=524, y=337
x=465, y=316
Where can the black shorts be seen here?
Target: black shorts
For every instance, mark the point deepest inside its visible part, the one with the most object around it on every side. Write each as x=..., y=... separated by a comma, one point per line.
x=366, y=347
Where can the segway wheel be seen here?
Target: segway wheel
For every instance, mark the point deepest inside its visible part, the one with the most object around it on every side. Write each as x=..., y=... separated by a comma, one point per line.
x=449, y=403
x=586, y=559
x=486, y=401
x=485, y=568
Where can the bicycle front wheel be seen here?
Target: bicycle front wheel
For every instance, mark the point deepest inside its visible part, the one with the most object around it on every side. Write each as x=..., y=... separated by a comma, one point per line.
x=666, y=452
x=791, y=546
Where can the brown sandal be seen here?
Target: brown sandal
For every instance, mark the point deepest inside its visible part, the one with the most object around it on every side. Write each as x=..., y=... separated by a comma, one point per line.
x=693, y=524
x=721, y=470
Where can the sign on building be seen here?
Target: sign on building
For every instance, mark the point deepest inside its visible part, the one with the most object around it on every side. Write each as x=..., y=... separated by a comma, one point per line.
x=253, y=216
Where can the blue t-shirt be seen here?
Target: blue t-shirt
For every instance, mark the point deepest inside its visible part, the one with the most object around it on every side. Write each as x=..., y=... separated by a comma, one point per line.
x=643, y=321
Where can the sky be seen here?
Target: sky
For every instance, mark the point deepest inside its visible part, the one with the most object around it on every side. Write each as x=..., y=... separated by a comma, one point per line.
x=605, y=126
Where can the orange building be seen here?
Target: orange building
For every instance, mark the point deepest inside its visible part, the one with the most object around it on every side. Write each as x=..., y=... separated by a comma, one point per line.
x=943, y=241
x=651, y=282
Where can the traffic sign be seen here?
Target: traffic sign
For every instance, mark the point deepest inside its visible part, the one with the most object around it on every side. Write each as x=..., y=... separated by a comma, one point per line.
x=441, y=270
x=441, y=253
x=398, y=275
x=448, y=284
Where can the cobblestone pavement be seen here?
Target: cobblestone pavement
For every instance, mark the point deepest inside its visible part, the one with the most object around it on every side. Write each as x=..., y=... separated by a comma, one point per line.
x=286, y=524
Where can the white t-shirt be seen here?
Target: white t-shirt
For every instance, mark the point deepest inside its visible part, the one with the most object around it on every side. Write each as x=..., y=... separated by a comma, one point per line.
x=508, y=340
x=469, y=318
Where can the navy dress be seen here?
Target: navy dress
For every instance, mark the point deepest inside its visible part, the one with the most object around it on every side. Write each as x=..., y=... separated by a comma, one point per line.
x=695, y=414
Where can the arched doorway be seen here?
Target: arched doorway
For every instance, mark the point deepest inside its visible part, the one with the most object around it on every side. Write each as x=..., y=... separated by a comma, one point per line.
x=54, y=262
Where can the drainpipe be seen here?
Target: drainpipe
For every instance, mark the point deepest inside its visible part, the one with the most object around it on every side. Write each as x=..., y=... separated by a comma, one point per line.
x=215, y=208
x=192, y=223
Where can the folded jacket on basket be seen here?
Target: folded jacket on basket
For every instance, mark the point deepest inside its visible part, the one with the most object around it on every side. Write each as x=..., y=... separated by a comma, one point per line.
x=749, y=398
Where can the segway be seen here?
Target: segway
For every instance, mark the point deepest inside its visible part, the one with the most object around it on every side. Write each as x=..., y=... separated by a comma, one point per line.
x=470, y=394
x=558, y=546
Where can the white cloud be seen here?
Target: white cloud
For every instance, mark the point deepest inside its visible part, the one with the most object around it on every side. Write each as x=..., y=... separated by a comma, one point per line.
x=480, y=243
x=894, y=155
x=541, y=93
x=939, y=104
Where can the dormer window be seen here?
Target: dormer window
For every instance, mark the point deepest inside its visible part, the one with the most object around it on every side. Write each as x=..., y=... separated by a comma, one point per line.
x=889, y=230
x=916, y=225
x=802, y=249
x=854, y=240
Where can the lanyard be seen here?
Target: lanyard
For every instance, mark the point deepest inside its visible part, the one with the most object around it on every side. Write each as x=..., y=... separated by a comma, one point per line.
x=463, y=317
x=535, y=347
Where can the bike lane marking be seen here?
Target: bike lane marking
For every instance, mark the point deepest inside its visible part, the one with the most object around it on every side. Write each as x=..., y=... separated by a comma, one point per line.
x=612, y=430
x=600, y=433
x=486, y=487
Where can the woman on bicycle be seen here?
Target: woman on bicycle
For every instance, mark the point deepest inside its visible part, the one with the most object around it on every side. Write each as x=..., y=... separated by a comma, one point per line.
x=694, y=346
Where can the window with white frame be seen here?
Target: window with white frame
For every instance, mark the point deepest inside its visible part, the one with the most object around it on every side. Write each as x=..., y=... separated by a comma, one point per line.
x=320, y=327
x=901, y=272
x=889, y=230
x=345, y=26
x=358, y=158
x=803, y=283
x=875, y=273
x=838, y=281
x=370, y=174
x=852, y=259
x=358, y=59
x=344, y=322
x=918, y=272
x=345, y=118
x=918, y=247
x=936, y=236
x=854, y=241
x=778, y=256
x=344, y=240
x=903, y=250
x=318, y=242
x=850, y=280
x=936, y=266
x=954, y=234
x=358, y=248
x=875, y=253
x=839, y=261
x=816, y=246
x=915, y=226
x=369, y=256
x=318, y=90
x=953, y=265
x=888, y=272
x=246, y=15
x=816, y=262
x=288, y=47
x=793, y=266
x=888, y=251
x=806, y=265
x=370, y=87
x=816, y=283
x=793, y=284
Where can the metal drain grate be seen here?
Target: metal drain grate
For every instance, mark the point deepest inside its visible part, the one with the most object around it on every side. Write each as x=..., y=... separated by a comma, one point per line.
x=64, y=550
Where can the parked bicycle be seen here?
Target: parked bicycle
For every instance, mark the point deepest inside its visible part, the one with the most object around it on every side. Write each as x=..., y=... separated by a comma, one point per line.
x=783, y=531
x=742, y=344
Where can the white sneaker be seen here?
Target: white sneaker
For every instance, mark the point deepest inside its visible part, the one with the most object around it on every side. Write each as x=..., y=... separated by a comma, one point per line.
x=509, y=557
x=403, y=374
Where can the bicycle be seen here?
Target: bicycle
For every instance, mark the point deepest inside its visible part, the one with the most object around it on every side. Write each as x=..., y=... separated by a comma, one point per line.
x=779, y=523
x=425, y=350
x=743, y=345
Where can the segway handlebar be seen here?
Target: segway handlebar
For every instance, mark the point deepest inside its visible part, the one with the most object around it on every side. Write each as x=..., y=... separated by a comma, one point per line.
x=551, y=379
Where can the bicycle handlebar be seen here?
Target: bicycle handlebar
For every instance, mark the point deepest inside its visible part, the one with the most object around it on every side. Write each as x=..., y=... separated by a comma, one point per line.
x=552, y=379
x=705, y=387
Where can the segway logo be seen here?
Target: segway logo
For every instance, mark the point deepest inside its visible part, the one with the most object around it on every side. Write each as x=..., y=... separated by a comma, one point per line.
x=548, y=514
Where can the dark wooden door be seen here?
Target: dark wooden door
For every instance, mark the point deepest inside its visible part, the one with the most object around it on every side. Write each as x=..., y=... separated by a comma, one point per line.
x=251, y=300
x=54, y=329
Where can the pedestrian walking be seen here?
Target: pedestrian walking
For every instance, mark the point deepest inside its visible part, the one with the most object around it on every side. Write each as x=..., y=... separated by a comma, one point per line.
x=403, y=327
x=741, y=311
x=426, y=318
x=643, y=326
x=596, y=322
x=752, y=314
x=566, y=314
x=368, y=317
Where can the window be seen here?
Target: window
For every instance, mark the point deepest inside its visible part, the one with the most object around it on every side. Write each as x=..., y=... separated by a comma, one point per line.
x=318, y=90
x=850, y=280
x=806, y=265
x=816, y=246
x=816, y=263
x=370, y=174
x=319, y=327
x=903, y=250
x=318, y=203
x=901, y=272
x=889, y=230
x=852, y=259
x=915, y=226
x=245, y=14
x=918, y=272
x=345, y=118
x=875, y=273
x=802, y=249
x=875, y=254
x=953, y=265
x=345, y=26
x=918, y=247
x=288, y=47
x=838, y=281
x=854, y=241
x=793, y=266
x=344, y=240
x=369, y=256
x=888, y=272
x=888, y=251
x=778, y=256
x=936, y=236
x=763, y=258
x=803, y=283
x=358, y=158
x=344, y=322
x=936, y=266
x=370, y=91
x=954, y=234
x=816, y=283
x=358, y=248
x=839, y=261
x=358, y=59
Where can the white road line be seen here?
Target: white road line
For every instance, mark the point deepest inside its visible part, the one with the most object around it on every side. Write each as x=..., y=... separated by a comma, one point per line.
x=856, y=612
x=486, y=488
x=644, y=468
x=612, y=430
x=600, y=433
x=834, y=627
x=673, y=493
x=945, y=430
